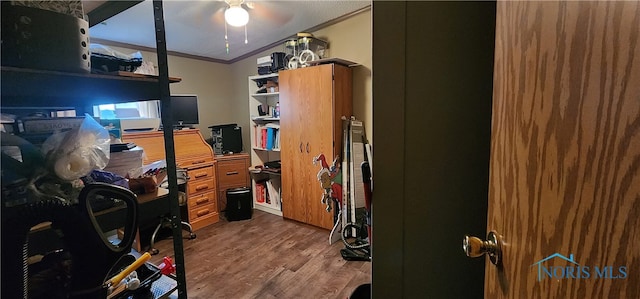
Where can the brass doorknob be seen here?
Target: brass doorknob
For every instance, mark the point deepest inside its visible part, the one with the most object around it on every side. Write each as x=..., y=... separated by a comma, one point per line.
x=475, y=247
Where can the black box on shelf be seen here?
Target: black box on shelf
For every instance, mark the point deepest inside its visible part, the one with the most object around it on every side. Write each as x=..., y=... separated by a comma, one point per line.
x=239, y=205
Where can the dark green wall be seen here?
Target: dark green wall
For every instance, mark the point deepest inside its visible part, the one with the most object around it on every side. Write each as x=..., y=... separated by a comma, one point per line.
x=432, y=90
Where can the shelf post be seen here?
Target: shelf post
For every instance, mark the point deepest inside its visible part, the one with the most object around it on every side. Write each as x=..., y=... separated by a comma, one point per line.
x=167, y=124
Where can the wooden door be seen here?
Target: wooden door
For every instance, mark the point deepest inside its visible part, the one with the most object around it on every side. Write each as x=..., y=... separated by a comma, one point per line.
x=318, y=138
x=565, y=156
x=292, y=123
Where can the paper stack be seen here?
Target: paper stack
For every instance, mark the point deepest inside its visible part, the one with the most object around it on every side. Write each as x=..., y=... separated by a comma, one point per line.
x=122, y=162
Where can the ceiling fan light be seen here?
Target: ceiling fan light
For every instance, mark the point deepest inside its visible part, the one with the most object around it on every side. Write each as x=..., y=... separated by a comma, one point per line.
x=236, y=16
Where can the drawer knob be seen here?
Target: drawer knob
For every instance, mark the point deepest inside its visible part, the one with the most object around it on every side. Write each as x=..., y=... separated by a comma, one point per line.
x=202, y=213
x=201, y=187
x=200, y=175
x=232, y=172
x=202, y=200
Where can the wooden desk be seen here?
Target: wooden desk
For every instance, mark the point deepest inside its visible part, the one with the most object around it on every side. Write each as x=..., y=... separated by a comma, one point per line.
x=195, y=155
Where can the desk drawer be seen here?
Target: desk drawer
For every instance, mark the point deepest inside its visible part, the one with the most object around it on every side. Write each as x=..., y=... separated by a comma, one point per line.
x=194, y=162
x=201, y=200
x=205, y=221
x=201, y=173
x=201, y=211
x=232, y=173
x=200, y=186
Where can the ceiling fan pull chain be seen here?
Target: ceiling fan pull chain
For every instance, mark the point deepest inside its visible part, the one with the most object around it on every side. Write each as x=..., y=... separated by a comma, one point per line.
x=226, y=38
x=246, y=41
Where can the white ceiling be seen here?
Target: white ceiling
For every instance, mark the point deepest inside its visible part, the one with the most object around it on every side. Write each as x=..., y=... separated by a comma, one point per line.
x=197, y=27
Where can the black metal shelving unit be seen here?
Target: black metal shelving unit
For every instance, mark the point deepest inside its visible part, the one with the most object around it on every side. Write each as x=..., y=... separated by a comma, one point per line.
x=40, y=88
x=170, y=155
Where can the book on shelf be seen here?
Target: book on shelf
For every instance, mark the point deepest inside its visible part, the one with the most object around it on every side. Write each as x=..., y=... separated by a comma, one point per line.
x=267, y=137
x=274, y=192
x=267, y=198
x=263, y=141
x=260, y=192
x=276, y=142
x=270, y=138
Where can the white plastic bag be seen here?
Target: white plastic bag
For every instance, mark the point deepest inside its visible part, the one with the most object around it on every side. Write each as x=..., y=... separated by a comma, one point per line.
x=75, y=153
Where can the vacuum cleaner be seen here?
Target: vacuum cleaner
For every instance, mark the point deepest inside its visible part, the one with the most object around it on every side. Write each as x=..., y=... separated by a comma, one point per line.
x=358, y=248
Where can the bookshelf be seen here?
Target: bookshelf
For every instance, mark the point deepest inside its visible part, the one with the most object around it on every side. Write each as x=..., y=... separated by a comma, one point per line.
x=265, y=142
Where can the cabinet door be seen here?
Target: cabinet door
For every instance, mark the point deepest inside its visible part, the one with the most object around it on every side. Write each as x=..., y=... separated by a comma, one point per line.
x=318, y=138
x=292, y=121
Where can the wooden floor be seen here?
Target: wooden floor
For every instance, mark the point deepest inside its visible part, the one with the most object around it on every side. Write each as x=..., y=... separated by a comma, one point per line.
x=266, y=257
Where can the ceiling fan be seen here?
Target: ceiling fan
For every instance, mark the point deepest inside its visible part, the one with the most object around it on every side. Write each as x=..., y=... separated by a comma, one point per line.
x=218, y=14
x=237, y=14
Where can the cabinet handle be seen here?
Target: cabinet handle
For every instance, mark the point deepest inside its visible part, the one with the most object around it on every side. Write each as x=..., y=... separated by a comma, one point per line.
x=200, y=175
x=198, y=162
x=202, y=213
x=232, y=172
x=201, y=187
x=301, y=147
x=307, y=147
x=202, y=200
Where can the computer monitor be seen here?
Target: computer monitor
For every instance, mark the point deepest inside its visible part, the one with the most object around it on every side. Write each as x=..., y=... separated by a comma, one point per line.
x=184, y=110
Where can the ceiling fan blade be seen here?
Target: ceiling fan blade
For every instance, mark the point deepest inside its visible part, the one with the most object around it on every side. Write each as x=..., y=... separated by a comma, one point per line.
x=267, y=11
x=218, y=17
x=197, y=14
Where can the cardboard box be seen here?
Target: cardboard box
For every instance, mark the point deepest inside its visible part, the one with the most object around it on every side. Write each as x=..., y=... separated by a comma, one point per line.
x=272, y=86
x=51, y=125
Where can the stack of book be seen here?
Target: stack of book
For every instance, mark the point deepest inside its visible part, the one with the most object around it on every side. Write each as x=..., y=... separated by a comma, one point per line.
x=267, y=137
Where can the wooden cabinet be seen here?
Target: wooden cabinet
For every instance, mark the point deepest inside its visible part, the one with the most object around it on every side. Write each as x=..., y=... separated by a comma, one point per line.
x=196, y=156
x=312, y=102
x=232, y=172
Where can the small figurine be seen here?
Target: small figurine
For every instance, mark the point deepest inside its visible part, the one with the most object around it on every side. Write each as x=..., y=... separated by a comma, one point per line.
x=330, y=180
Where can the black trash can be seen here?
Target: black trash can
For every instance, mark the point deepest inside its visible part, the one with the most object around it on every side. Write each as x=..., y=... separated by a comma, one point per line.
x=239, y=205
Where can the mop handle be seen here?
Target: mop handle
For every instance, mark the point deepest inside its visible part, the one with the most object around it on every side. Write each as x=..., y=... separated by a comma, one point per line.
x=114, y=281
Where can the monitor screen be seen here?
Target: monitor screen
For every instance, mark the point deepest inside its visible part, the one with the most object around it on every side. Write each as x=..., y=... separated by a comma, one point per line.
x=184, y=109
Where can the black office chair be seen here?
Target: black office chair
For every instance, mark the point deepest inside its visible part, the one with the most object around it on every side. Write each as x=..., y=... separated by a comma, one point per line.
x=165, y=221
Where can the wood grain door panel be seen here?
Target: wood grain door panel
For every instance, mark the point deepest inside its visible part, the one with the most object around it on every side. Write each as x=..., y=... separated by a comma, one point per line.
x=320, y=112
x=565, y=153
x=292, y=94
